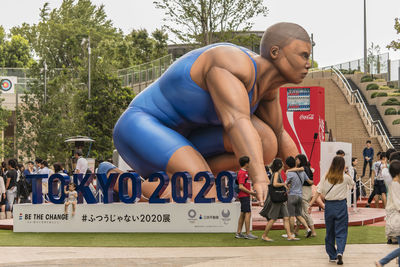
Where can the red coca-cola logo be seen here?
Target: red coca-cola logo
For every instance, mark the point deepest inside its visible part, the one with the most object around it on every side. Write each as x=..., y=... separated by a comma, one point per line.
x=306, y=117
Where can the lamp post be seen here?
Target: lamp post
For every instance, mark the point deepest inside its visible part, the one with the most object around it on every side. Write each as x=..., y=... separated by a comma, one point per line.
x=89, y=52
x=45, y=81
x=89, y=67
x=312, y=50
x=365, y=37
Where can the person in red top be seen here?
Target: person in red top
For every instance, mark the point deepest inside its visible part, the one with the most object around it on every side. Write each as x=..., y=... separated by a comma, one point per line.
x=244, y=198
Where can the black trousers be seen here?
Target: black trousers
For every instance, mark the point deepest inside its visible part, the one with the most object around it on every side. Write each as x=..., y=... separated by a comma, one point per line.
x=365, y=165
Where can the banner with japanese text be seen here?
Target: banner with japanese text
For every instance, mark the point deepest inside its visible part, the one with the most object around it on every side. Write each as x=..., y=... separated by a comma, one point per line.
x=119, y=217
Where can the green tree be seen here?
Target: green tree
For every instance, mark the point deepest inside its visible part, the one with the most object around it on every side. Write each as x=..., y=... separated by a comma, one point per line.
x=373, y=57
x=4, y=115
x=102, y=111
x=198, y=20
x=395, y=44
x=61, y=40
x=15, y=52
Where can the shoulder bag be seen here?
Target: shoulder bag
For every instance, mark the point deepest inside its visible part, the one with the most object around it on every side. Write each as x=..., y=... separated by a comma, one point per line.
x=277, y=194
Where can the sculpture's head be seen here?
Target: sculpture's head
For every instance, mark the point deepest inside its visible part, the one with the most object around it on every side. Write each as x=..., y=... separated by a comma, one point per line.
x=288, y=47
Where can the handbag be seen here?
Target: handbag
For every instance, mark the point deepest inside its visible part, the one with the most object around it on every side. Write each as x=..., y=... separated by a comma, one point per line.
x=277, y=194
x=392, y=223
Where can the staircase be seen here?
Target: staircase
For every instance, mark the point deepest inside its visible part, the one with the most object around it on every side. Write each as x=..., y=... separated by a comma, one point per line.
x=371, y=108
x=395, y=140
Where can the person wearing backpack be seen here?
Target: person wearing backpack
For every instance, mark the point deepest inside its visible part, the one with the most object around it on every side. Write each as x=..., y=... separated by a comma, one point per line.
x=244, y=198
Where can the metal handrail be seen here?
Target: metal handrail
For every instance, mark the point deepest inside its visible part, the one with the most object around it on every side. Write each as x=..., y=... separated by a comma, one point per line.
x=377, y=123
x=358, y=99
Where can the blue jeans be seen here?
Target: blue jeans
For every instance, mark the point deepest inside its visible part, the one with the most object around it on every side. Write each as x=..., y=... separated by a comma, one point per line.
x=395, y=253
x=11, y=195
x=336, y=221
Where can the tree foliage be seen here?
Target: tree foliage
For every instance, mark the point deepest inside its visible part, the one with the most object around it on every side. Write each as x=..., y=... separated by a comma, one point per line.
x=198, y=20
x=14, y=51
x=61, y=39
x=395, y=44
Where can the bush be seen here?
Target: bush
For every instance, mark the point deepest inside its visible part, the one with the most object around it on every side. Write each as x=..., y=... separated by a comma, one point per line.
x=396, y=122
x=391, y=111
x=378, y=94
x=372, y=86
x=391, y=102
x=366, y=78
x=380, y=80
x=384, y=87
x=346, y=71
x=398, y=112
x=394, y=94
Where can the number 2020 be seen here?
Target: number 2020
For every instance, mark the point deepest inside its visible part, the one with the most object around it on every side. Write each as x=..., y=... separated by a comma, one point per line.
x=183, y=194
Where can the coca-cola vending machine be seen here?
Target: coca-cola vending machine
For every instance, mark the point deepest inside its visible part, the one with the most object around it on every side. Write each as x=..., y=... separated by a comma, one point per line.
x=303, y=112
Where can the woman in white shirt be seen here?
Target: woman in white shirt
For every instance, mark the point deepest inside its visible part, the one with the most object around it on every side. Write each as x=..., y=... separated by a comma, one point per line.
x=334, y=188
x=393, y=211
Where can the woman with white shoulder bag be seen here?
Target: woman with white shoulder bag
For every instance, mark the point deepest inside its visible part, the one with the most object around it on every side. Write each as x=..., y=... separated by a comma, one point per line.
x=393, y=212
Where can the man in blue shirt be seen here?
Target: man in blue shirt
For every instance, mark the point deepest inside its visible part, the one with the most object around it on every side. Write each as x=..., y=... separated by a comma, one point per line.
x=368, y=154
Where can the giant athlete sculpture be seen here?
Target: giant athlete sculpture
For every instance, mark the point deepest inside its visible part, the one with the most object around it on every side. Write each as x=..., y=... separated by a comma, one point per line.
x=214, y=105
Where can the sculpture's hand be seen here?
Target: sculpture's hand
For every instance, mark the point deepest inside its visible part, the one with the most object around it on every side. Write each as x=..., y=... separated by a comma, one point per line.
x=261, y=188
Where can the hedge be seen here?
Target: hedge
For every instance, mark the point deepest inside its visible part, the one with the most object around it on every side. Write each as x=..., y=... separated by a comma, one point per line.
x=366, y=78
x=391, y=111
x=372, y=86
x=391, y=102
x=378, y=94
x=396, y=122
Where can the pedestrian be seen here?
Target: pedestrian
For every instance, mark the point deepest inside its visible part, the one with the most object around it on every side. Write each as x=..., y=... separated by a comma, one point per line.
x=335, y=187
x=2, y=199
x=295, y=181
x=44, y=169
x=244, y=198
x=393, y=212
x=81, y=162
x=302, y=162
x=368, y=154
x=353, y=174
x=276, y=210
x=379, y=181
x=11, y=186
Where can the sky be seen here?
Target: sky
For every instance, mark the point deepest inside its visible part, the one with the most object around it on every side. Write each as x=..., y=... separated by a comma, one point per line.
x=337, y=26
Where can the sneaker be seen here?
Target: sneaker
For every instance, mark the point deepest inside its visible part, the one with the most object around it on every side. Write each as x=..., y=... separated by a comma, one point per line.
x=240, y=235
x=339, y=259
x=389, y=241
x=334, y=260
x=250, y=236
x=308, y=233
x=284, y=235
